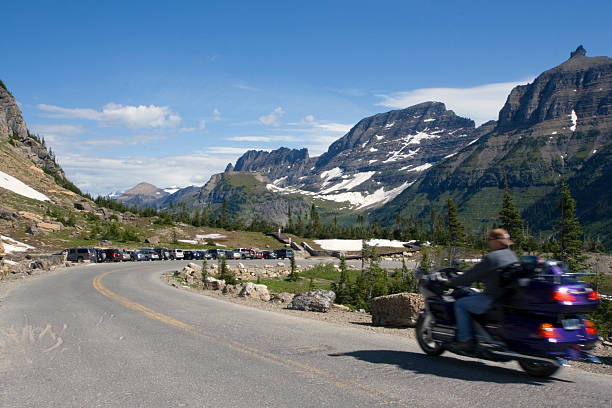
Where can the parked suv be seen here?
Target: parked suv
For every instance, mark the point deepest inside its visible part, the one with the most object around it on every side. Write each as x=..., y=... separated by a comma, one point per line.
x=113, y=255
x=81, y=254
x=283, y=253
x=176, y=254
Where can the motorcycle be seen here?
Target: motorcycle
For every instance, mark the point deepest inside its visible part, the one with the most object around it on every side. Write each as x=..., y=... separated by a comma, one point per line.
x=539, y=322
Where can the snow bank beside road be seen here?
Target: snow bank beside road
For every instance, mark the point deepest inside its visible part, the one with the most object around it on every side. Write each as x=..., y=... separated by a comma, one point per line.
x=18, y=187
x=355, y=244
x=11, y=245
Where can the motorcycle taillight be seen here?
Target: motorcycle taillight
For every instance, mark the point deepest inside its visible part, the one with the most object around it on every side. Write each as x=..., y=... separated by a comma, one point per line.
x=548, y=331
x=589, y=327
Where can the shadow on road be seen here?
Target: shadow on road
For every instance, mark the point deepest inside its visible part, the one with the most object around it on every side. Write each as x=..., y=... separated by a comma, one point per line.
x=447, y=367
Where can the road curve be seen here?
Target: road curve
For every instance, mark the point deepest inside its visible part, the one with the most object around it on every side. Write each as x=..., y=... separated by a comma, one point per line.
x=115, y=335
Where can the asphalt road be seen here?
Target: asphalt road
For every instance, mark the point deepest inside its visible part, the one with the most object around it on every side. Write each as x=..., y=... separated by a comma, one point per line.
x=117, y=336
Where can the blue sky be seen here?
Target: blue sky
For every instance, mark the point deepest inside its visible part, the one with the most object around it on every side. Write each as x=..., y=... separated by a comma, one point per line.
x=170, y=92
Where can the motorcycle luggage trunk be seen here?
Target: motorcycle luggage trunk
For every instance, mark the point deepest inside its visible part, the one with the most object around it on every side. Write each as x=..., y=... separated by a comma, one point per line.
x=566, y=297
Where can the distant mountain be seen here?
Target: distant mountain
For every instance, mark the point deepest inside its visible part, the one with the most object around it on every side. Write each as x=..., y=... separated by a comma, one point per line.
x=559, y=125
x=142, y=195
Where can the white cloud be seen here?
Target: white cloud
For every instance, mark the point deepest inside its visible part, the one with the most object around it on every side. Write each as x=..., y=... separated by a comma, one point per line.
x=273, y=118
x=481, y=103
x=250, y=138
x=309, y=119
x=102, y=175
x=238, y=151
x=216, y=114
x=246, y=88
x=115, y=114
x=334, y=127
x=54, y=133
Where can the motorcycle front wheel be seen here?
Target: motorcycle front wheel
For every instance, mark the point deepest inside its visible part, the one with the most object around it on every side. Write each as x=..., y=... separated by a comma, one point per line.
x=423, y=335
x=538, y=370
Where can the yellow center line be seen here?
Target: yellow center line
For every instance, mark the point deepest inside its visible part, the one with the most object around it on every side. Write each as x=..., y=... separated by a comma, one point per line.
x=292, y=365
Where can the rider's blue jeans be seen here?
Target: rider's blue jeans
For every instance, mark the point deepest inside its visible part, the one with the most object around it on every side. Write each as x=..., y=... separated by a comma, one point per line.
x=475, y=303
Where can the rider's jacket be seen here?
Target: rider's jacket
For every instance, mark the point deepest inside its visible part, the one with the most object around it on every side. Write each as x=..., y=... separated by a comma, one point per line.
x=488, y=272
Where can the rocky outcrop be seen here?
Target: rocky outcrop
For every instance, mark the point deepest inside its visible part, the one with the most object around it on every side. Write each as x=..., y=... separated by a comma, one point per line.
x=11, y=121
x=315, y=301
x=398, y=310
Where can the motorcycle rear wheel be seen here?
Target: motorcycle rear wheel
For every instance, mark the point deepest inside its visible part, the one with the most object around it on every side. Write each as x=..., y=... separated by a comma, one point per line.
x=423, y=335
x=539, y=370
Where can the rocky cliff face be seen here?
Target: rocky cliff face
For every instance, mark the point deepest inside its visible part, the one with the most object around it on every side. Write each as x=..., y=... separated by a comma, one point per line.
x=275, y=164
x=13, y=128
x=11, y=121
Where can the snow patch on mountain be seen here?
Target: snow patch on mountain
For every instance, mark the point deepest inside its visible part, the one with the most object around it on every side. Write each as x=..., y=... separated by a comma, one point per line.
x=348, y=184
x=574, y=119
x=19, y=187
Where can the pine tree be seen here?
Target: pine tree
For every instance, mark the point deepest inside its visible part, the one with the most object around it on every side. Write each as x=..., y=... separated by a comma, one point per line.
x=510, y=219
x=569, y=245
x=293, y=276
x=456, y=235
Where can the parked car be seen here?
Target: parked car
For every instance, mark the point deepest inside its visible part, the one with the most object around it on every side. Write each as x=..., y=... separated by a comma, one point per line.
x=82, y=254
x=205, y=255
x=231, y=254
x=246, y=253
x=193, y=255
x=113, y=255
x=283, y=253
x=125, y=256
x=150, y=253
x=138, y=256
x=259, y=255
x=176, y=254
x=268, y=254
x=216, y=253
x=163, y=253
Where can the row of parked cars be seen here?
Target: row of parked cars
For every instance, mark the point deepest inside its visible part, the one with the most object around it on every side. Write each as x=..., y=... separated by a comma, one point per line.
x=155, y=254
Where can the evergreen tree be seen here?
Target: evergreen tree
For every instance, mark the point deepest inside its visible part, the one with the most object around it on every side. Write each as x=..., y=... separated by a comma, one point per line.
x=456, y=236
x=341, y=288
x=293, y=276
x=569, y=245
x=510, y=219
x=226, y=274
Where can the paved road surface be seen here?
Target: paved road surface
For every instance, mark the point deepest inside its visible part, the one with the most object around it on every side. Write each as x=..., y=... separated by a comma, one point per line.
x=117, y=336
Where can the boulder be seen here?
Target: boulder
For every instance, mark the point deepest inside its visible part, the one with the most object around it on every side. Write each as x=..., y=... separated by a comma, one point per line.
x=48, y=226
x=194, y=266
x=230, y=289
x=152, y=240
x=7, y=214
x=316, y=301
x=398, y=310
x=253, y=291
x=341, y=307
x=282, y=297
x=83, y=206
x=2, y=251
x=211, y=283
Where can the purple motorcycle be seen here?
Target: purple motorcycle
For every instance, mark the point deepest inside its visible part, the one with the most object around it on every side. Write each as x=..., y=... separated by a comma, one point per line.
x=538, y=323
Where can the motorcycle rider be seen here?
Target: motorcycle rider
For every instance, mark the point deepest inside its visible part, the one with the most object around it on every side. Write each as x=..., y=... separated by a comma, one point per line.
x=487, y=272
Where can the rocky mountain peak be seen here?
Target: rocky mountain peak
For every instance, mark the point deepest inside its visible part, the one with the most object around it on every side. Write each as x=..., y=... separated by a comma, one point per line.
x=580, y=52
x=576, y=94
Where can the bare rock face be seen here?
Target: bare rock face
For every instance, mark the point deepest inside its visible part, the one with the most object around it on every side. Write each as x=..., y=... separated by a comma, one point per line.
x=2, y=251
x=11, y=121
x=315, y=301
x=398, y=310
